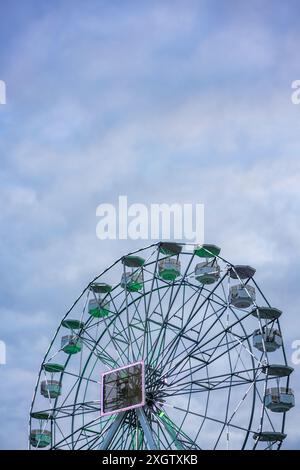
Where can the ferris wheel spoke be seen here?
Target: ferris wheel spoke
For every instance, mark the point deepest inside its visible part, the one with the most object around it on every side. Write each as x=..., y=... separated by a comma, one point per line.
x=147, y=305
x=228, y=344
x=228, y=327
x=174, y=434
x=183, y=358
x=178, y=312
x=137, y=330
x=161, y=323
x=198, y=368
x=208, y=418
x=87, y=435
x=192, y=348
x=230, y=388
x=79, y=432
x=265, y=410
x=176, y=328
x=214, y=324
x=119, y=337
x=193, y=314
x=151, y=444
x=209, y=352
x=250, y=353
x=64, y=439
x=112, y=431
x=115, y=340
x=172, y=300
x=192, y=351
x=178, y=381
x=256, y=374
x=119, y=319
x=138, y=341
x=160, y=434
x=127, y=317
x=206, y=384
x=201, y=324
x=205, y=358
x=205, y=389
x=137, y=323
x=162, y=331
x=184, y=336
x=167, y=325
x=240, y=359
x=99, y=352
x=124, y=438
x=210, y=383
x=152, y=344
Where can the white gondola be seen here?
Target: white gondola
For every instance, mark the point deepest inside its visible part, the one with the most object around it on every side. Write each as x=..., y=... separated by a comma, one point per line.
x=269, y=337
x=241, y=296
x=279, y=399
x=169, y=269
x=207, y=272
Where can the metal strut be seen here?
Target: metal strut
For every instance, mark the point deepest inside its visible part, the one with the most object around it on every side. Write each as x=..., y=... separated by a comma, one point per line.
x=112, y=431
x=146, y=428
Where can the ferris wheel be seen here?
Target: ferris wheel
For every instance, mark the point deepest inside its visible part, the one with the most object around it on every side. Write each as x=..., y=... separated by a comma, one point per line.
x=171, y=347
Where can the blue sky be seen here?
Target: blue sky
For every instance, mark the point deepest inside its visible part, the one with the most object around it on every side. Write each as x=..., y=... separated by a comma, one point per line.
x=164, y=101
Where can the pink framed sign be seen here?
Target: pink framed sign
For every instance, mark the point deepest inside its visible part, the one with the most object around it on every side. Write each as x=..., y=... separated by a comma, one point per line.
x=123, y=388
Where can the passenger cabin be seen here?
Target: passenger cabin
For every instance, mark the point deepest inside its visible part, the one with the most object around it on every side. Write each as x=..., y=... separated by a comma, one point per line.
x=241, y=296
x=279, y=399
x=98, y=308
x=169, y=269
x=270, y=338
x=71, y=344
x=132, y=281
x=40, y=438
x=50, y=388
x=207, y=272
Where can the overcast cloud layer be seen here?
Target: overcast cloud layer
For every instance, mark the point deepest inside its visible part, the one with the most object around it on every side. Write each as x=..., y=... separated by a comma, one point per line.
x=162, y=101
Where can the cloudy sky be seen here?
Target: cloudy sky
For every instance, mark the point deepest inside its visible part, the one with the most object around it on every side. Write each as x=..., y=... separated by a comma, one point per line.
x=162, y=101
